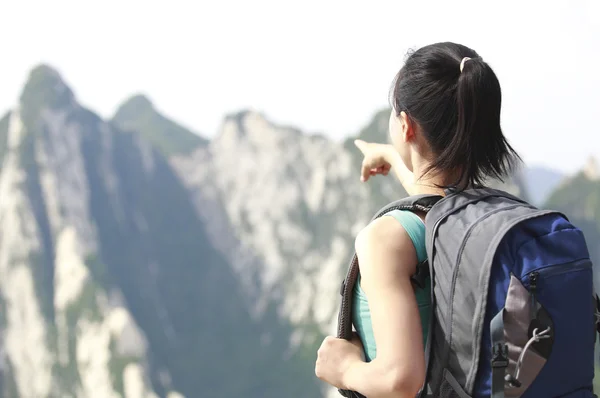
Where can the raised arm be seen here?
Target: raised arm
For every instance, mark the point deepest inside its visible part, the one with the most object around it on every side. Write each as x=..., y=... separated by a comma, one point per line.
x=379, y=159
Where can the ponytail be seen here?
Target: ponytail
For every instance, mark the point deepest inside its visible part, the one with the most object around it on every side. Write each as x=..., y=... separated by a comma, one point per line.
x=455, y=98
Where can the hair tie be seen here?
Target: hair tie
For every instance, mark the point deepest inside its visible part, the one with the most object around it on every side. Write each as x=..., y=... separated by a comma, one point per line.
x=462, y=63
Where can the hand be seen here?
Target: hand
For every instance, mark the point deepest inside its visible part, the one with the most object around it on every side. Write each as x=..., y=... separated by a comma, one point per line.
x=335, y=357
x=377, y=158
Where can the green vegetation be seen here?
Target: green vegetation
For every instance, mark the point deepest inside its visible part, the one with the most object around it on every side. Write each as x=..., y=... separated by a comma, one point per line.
x=84, y=307
x=580, y=196
x=99, y=272
x=117, y=364
x=138, y=115
x=67, y=376
x=377, y=130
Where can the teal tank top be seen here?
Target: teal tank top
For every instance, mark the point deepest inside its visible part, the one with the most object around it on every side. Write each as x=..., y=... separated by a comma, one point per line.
x=361, y=315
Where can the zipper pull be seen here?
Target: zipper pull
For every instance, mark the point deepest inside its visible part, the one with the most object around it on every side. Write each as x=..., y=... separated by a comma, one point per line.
x=533, y=284
x=533, y=279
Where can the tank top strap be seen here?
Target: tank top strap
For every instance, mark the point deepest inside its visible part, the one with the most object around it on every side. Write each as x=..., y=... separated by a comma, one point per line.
x=415, y=227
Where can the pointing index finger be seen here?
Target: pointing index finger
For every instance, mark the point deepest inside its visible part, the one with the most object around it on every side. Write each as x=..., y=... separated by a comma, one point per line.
x=360, y=144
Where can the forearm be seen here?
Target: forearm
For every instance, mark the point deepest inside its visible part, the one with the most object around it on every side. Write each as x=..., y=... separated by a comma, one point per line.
x=377, y=380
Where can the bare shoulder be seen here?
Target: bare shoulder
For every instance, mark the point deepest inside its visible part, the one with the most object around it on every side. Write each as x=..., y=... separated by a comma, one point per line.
x=382, y=233
x=386, y=245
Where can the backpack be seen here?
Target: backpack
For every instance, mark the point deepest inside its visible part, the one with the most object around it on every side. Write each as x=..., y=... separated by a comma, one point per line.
x=515, y=314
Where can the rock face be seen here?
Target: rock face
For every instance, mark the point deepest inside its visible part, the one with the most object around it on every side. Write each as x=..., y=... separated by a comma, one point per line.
x=140, y=260
x=64, y=331
x=109, y=283
x=291, y=200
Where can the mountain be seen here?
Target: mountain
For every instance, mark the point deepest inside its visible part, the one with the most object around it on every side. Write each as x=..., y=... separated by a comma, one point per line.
x=63, y=329
x=541, y=182
x=109, y=283
x=139, y=114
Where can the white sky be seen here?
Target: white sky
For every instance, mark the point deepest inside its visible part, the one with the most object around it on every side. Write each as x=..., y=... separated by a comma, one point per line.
x=321, y=65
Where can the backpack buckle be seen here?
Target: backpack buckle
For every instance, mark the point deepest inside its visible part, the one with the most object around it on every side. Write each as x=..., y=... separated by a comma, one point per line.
x=421, y=274
x=500, y=356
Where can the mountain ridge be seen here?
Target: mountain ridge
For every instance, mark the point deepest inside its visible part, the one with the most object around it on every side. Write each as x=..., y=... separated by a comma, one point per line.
x=543, y=181
x=166, y=135
x=111, y=240
x=592, y=169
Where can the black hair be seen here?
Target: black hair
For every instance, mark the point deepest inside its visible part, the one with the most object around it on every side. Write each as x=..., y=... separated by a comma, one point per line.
x=458, y=112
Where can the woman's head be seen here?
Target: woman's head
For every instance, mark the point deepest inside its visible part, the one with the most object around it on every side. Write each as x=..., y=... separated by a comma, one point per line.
x=450, y=119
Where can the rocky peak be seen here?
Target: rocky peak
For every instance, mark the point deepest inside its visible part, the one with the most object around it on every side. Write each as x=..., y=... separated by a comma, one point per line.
x=135, y=104
x=138, y=114
x=44, y=89
x=591, y=169
x=251, y=129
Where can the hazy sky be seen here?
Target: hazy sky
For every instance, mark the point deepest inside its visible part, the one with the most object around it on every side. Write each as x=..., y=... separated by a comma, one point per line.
x=324, y=66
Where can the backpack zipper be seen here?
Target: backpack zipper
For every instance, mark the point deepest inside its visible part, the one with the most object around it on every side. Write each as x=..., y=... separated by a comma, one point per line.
x=556, y=269
x=539, y=331
x=532, y=278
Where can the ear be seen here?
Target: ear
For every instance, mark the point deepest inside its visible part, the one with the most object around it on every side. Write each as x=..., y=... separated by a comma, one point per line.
x=407, y=127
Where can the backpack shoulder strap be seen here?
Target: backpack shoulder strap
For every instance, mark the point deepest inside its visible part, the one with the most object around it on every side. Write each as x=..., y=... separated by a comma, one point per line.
x=455, y=202
x=422, y=203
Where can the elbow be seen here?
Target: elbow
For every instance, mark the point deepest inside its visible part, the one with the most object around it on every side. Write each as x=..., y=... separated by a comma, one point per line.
x=405, y=382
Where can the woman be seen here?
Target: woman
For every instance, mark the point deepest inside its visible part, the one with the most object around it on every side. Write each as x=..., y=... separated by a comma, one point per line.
x=445, y=133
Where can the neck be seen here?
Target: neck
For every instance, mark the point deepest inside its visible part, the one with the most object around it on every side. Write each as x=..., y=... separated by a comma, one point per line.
x=427, y=186
x=417, y=183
